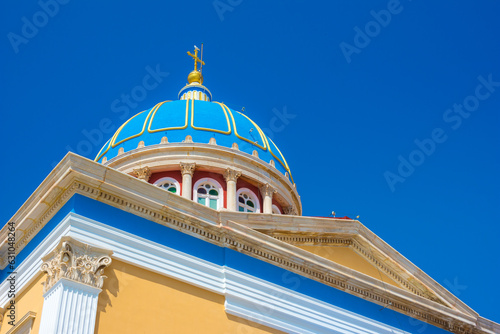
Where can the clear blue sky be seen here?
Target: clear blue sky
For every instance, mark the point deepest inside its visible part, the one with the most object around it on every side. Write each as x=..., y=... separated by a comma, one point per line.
x=363, y=88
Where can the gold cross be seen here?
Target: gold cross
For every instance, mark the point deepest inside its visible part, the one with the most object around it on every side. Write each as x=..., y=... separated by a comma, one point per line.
x=195, y=57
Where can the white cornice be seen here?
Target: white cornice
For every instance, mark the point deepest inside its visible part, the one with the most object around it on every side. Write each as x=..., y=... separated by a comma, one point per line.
x=267, y=303
x=245, y=296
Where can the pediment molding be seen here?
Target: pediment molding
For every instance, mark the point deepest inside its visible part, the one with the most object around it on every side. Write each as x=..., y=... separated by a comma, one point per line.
x=375, y=257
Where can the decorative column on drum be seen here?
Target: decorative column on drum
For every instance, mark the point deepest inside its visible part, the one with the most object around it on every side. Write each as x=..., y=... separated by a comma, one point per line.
x=143, y=173
x=267, y=194
x=73, y=283
x=231, y=176
x=187, y=171
x=290, y=210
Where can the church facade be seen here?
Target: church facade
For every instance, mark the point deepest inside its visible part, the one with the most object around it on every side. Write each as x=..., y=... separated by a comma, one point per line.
x=189, y=221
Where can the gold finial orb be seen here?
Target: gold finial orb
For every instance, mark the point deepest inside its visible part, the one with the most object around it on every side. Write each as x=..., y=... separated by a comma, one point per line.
x=195, y=76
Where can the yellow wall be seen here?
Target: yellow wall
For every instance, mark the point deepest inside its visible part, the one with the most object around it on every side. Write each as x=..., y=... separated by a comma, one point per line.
x=349, y=258
x=135, y=300
x=31, y=299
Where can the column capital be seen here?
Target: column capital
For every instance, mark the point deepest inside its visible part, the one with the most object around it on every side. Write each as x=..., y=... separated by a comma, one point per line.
x=290, y=210
x=187, y=168
x=143, y=173
x=75, y=261
x=231, y=175
x=267, y=190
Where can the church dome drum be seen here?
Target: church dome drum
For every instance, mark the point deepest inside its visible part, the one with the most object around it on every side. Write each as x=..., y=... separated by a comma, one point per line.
x=215, y=138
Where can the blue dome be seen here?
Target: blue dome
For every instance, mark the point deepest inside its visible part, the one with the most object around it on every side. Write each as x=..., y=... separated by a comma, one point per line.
x=201, y=120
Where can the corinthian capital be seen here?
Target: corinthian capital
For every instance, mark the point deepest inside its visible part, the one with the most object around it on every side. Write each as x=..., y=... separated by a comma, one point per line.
x=187, y=168
x=143, y=173
x=75, y=261
x=266, y=190
x=290, y=210
x=231, y=175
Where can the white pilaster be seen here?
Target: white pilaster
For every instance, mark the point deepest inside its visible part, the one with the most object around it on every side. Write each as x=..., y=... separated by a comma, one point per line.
x=69, y=307
x=72, y=286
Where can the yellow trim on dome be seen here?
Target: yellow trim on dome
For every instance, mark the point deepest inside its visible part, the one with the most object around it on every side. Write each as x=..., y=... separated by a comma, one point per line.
x=171, y=128
x=264, y=140
x=99, y=154
x=262, y=135
x=115, y=135
x=113, y=144
x=207, y=129
x=283, y=163
x=243, y=138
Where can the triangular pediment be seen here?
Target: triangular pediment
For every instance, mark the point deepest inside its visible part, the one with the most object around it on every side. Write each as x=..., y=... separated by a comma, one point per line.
x=347, y=256
x=354, y=252
x=351, y=245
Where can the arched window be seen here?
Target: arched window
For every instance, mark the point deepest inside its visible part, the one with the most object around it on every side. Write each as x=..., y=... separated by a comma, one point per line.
x=276, y=210
x=208, y=192
x=169, y=184
x=247, y=201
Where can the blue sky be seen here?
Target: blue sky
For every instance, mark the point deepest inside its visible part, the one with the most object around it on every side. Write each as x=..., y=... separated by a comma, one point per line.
x=393, y=106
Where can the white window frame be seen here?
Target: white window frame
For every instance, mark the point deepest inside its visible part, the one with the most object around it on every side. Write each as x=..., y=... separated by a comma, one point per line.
x=251, y=194
x=217, y=185
x=276, y=210
x=171, y=180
